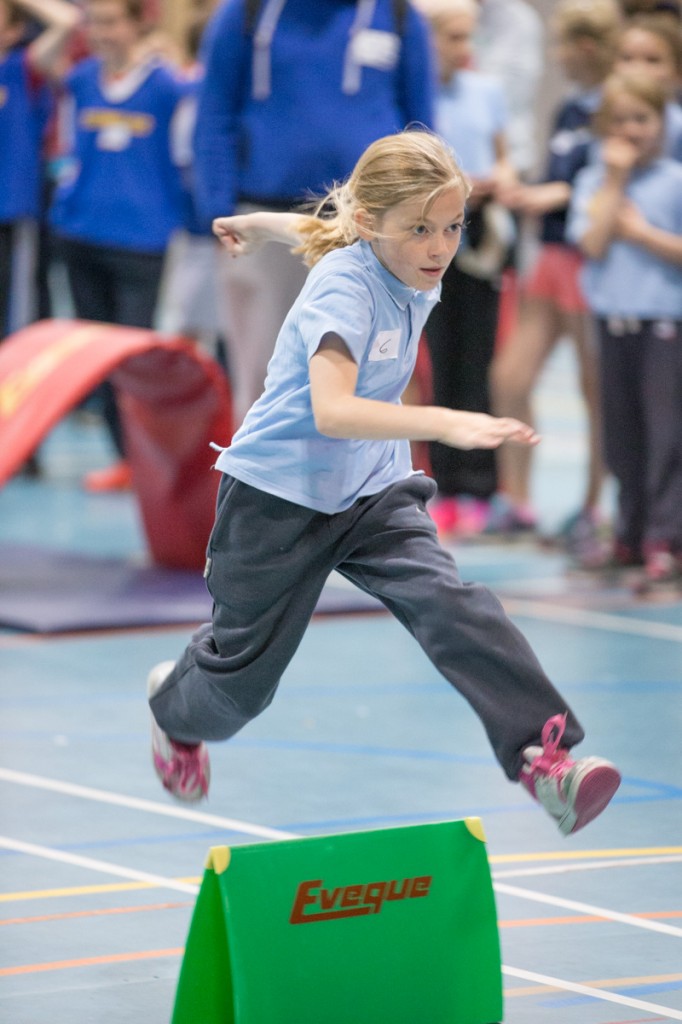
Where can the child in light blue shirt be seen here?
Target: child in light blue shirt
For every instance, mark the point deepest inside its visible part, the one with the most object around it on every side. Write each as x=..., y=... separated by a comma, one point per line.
x=319, y=478
x=626, y=215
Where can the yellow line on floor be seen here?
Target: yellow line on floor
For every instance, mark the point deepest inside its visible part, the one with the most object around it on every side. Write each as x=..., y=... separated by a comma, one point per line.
x=643, y=851
x=84, y=890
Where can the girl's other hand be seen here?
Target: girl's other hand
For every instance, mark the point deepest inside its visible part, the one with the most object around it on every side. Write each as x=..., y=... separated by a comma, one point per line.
x=240, y=234
x=478, y=430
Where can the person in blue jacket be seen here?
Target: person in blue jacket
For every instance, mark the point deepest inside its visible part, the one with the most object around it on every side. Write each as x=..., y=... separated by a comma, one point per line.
x=294, y=91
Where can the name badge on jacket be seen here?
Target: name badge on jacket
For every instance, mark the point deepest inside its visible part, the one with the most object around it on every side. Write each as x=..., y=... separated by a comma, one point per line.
x=374, y=49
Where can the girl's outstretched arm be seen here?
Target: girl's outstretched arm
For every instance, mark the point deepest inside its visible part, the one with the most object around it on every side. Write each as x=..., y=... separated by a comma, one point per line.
x=339, y=412
x=245, y=233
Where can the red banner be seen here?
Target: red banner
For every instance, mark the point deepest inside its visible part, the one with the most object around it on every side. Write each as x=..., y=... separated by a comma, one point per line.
x=174, y=401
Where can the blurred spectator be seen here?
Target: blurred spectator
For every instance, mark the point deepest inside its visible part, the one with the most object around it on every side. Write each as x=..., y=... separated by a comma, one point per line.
x=510, y=44
x=552, y=305
x=189, y=297
x=626, y=215
x=24, y=111
x=294, y=92
x=670, y=7
x=652, y=45
x=119, y=198
x=471, y=116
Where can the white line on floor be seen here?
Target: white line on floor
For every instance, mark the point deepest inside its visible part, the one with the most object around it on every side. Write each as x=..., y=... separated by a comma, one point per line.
x=592, y=620
x=595, y=865
x=103, y=866
x=593, y=993
x=136, y=804
x=588, y=908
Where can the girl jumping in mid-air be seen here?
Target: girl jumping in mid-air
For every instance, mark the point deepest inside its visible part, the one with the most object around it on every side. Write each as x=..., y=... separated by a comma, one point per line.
x=319, y=478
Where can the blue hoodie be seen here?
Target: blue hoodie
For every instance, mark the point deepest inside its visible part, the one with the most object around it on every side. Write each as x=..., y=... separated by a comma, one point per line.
x=287, y=109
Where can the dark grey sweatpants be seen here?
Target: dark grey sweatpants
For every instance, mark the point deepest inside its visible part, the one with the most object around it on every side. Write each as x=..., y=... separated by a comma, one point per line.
x=268, y=562
x=641, y=393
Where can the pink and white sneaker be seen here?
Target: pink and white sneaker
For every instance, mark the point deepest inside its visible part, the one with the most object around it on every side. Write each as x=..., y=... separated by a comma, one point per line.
x=183, y=768
x=572, y=792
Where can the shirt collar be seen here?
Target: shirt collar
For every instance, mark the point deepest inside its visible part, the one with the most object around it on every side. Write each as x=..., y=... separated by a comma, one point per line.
x=401, y=293
x=590, y=98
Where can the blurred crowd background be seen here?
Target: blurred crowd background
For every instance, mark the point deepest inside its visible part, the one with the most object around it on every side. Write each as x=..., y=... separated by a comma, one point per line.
x=126, y=126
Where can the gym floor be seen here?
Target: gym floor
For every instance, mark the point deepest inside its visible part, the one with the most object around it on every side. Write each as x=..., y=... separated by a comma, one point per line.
x=100, y=868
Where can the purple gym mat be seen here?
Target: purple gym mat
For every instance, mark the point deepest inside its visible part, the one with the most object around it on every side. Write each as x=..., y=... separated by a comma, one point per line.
x=43, y=590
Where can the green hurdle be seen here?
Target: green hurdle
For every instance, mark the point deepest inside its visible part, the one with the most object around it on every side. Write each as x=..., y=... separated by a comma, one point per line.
x=395, y=926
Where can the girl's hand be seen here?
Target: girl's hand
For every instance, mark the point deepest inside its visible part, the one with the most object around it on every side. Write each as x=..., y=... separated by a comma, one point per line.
x=630, y=224
x=478, y=430
x=241, y=234
x=246, y=232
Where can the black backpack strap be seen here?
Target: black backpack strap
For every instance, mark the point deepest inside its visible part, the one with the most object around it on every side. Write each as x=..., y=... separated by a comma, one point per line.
x=400, y=8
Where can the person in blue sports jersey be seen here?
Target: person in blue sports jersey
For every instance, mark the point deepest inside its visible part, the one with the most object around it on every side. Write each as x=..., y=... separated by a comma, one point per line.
x=626, y=215
x=24, y=111
x=338, y=74
x=319, y=477
x=120, y=197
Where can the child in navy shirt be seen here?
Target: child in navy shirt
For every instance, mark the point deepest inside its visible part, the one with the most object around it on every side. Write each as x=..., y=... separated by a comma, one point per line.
x=319, y=477
x=626, y=215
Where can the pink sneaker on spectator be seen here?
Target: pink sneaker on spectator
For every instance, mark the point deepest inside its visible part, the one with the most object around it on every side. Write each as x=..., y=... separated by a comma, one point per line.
x=183, y=768
x=660, y=564
x=572, y=792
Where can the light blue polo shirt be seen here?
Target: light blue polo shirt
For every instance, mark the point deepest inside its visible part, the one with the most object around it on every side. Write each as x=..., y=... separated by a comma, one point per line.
x=471, y=111
x=278, y=448
x=630, y=281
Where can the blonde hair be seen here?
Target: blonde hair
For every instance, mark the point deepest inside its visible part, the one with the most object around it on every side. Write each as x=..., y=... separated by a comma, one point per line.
x=598, y=20
x=638, y=86
x=401, y=168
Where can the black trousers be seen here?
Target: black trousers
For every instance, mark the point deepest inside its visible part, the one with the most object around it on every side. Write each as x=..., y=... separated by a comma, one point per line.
x=641, y=394
x=461, y=333
x=115, y=286
x=6, y=247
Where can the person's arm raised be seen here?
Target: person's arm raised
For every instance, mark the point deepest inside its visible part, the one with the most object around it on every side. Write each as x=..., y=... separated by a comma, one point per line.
x=340, y=413
x=247, y=232
x=59, y=18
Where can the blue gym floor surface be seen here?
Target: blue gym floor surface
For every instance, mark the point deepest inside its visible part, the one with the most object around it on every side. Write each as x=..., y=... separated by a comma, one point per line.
x=100, y=867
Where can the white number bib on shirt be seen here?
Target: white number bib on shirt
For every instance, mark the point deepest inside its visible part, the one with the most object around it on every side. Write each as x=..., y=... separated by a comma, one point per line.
x=386, y=345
